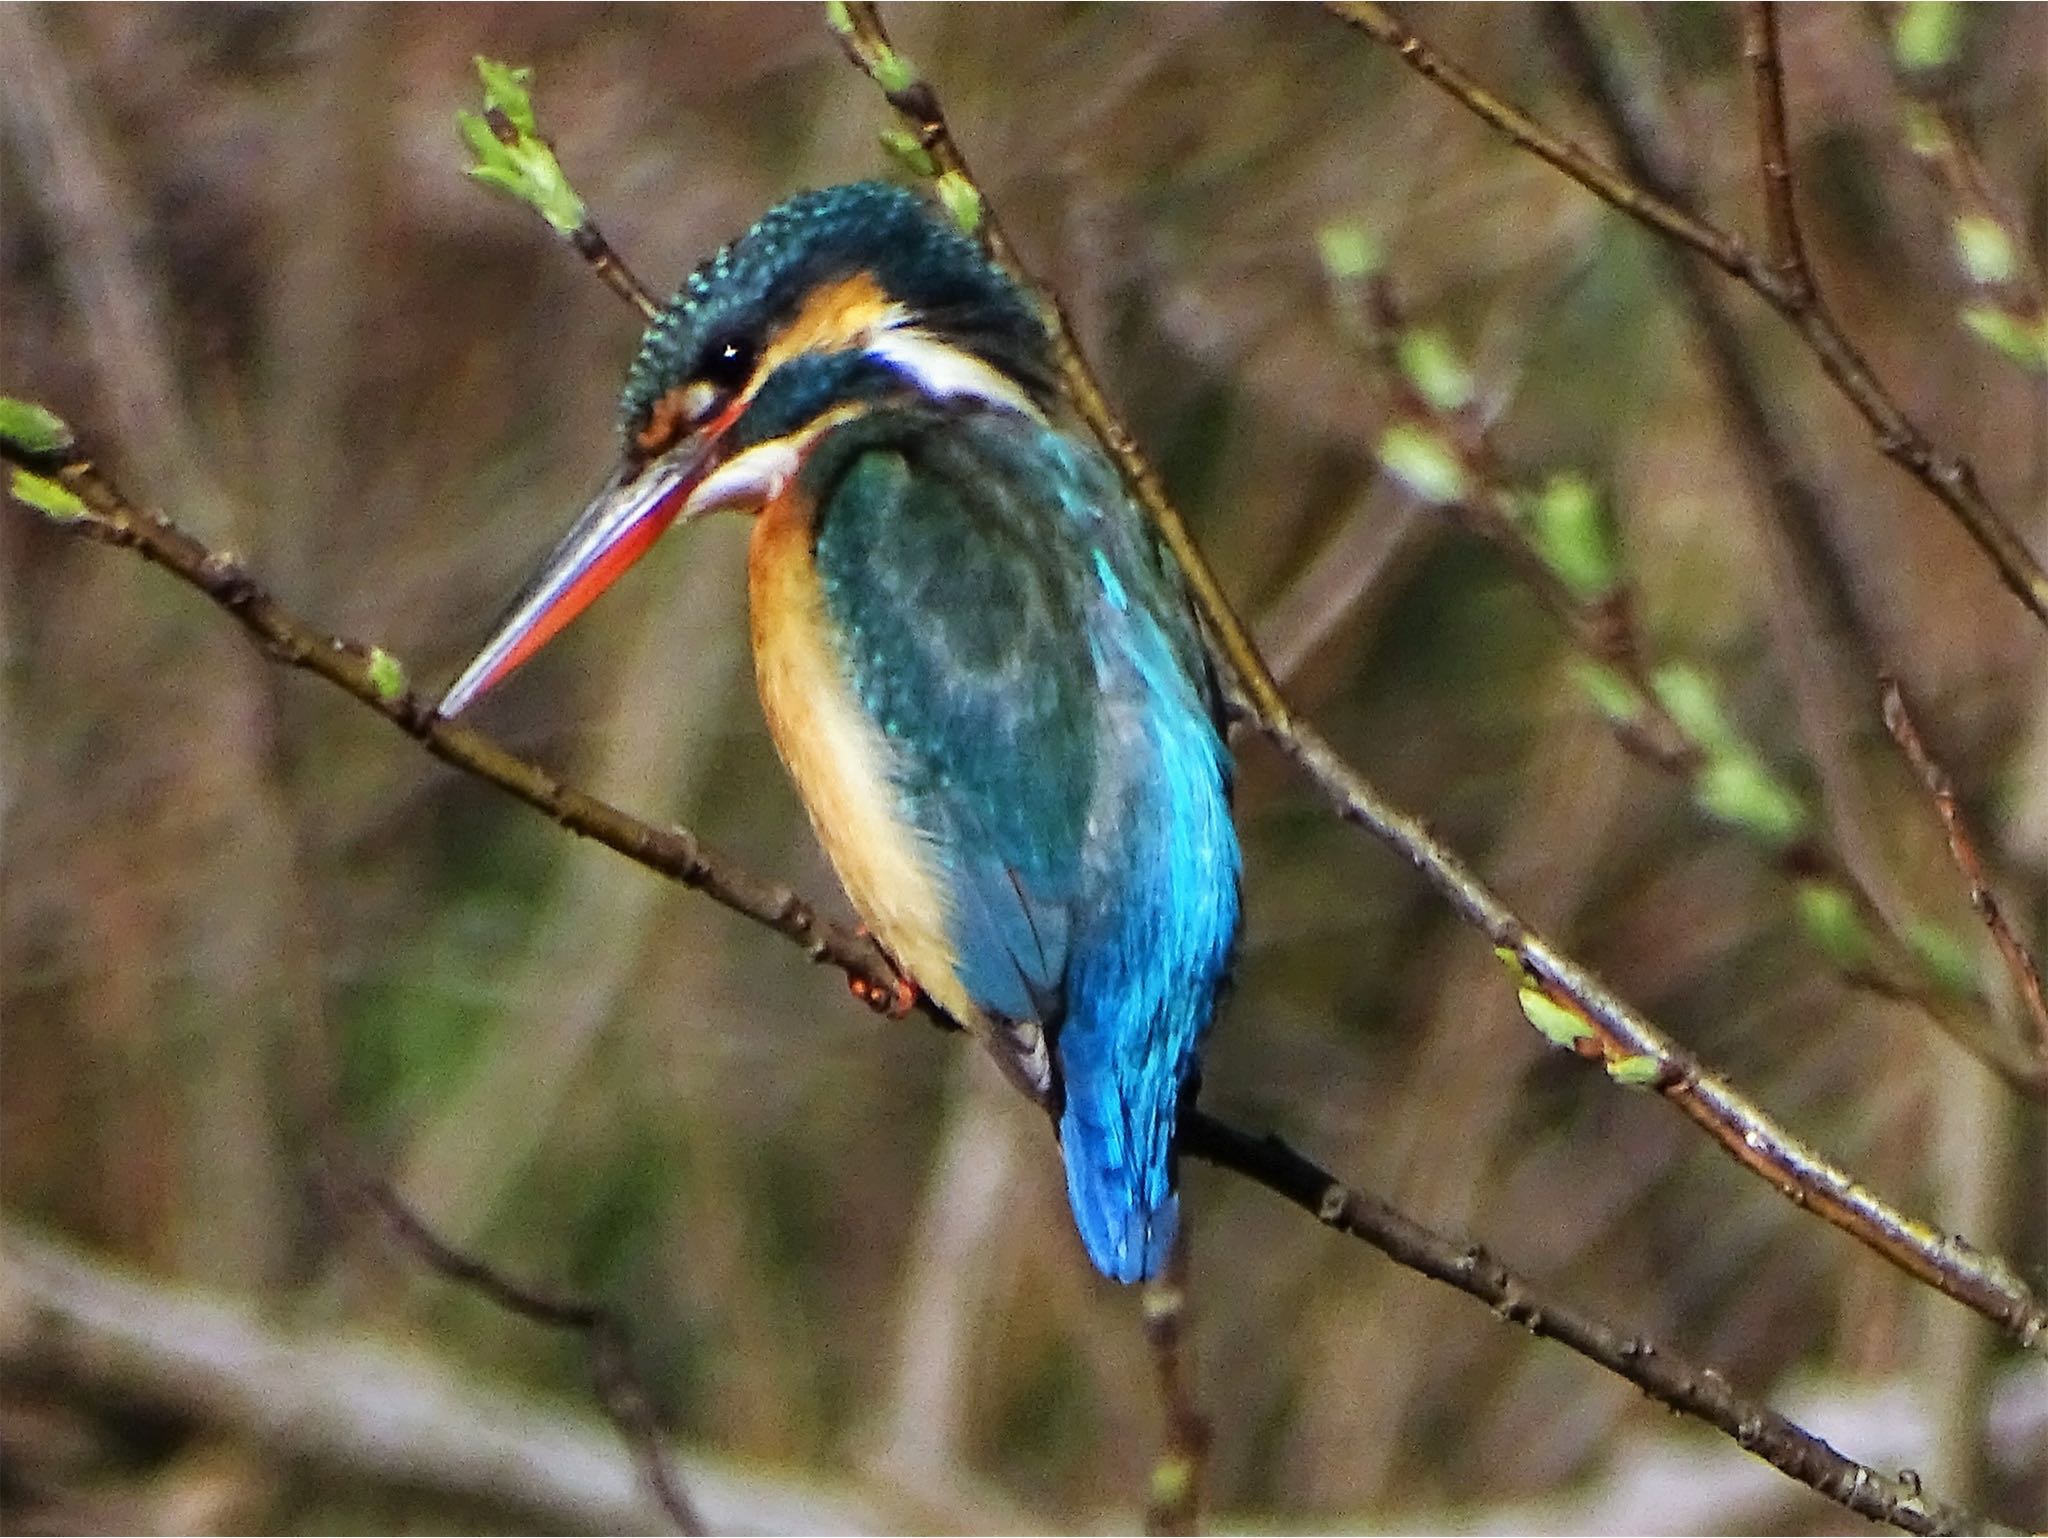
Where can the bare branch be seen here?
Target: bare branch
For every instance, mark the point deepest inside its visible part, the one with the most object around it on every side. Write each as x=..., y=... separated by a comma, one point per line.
x=1658, y=1371
x=1774, y=157
x=2026, y=975
x=619, y=1389
x=374, y=1411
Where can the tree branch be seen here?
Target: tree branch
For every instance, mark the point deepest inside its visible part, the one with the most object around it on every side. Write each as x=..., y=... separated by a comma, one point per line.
x=2019, y=962
x=1657, y=1370
x=1624, y=1041
x=619, y=1389
x=371, y=1410
x=1774, y=157
x=1946, y=476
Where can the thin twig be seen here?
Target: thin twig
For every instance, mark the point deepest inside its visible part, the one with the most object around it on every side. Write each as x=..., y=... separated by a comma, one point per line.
x=1657, y=1370
x=1979, y=1280
x=1174, y=1502
x=1774, y=155
x=588, y=242
x=620, y=1392
x=1947, y=476
x=2019, y=961
x=674, y=853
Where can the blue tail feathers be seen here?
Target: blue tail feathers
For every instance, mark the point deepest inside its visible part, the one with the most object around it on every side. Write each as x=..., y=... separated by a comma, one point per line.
x=1116, y=1133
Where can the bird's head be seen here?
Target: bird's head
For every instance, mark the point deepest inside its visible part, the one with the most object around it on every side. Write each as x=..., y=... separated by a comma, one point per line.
x=834, y=302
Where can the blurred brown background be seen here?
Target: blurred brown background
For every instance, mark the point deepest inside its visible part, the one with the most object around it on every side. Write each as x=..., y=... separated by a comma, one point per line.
x=237, y=250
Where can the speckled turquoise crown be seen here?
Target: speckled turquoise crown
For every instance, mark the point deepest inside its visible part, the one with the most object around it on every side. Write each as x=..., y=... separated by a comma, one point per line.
x=816, y=237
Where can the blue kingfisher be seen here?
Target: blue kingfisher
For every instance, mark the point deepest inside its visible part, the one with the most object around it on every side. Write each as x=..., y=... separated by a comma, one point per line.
x=976, y=661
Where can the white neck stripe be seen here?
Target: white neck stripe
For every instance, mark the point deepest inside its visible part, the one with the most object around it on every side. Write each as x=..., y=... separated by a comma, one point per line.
x=943, y=370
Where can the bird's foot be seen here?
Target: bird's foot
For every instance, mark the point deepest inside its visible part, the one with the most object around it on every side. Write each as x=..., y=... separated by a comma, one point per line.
x=895, y=1002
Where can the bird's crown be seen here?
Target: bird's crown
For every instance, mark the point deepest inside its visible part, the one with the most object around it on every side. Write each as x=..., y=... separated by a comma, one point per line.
x=810, y=273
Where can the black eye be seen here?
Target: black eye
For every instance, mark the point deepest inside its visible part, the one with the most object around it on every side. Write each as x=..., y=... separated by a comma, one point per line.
x=728, y=363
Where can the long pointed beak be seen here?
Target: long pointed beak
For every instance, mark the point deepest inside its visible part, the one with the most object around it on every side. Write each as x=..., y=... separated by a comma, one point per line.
x=612, y=533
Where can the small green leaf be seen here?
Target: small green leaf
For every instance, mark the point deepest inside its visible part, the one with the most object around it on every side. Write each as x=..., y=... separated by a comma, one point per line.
x=51, y=498
x=962, y=200
x=1693, y=701
x=1612, y=694
x=511, y=155
x=1634, y=1072
x=28, y=426
x=1563, y=1026
x=2025, y=344
x=838, y=17
x=387, y=675
x=1350, y=252
x=1738, y=789
x=1432, y=365
x=1945, y=956
x=1927, y=34
x=1828, y=914
x=1575, y=535
x=894, y=73
x=1984, y=249
x=1423, y=462
x=902, y=147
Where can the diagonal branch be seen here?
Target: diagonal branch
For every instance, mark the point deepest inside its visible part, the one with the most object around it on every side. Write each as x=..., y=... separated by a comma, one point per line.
x=367, y=675
x=1658, y=1371
x=1631, y=1047
x=1946, y=476
x=606, y=1346
x=2019, y=962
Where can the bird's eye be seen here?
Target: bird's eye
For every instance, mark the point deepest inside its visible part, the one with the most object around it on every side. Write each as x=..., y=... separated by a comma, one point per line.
x=728, y=364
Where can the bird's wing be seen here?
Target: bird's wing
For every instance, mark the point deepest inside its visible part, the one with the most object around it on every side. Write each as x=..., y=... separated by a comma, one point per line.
x=962, y=602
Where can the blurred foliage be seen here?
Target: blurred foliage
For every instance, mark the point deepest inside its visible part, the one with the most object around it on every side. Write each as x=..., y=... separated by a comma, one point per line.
x=253, y=268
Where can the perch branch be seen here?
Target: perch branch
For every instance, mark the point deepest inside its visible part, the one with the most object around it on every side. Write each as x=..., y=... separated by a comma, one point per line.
x=365, y=674
x=1946, y=476
x=1657, y=1370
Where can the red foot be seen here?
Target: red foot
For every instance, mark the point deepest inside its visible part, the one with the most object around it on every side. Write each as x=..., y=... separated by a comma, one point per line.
x=895, y=1002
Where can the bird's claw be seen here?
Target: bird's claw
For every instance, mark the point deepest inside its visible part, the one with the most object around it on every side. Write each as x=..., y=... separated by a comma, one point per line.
x=894, y=1002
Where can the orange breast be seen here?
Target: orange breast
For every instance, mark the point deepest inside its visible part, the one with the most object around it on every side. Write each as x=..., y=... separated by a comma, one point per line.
x=840, y=760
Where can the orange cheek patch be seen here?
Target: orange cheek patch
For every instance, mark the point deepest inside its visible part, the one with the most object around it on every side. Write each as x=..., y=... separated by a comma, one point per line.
x=833, y=318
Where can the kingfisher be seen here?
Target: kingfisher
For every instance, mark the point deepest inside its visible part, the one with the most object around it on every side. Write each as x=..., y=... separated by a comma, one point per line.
x=978, y=664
